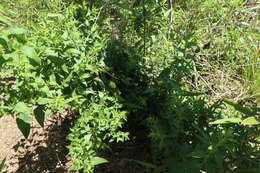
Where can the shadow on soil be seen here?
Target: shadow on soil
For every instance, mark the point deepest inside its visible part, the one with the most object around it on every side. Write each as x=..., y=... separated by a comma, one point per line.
x=45, y=150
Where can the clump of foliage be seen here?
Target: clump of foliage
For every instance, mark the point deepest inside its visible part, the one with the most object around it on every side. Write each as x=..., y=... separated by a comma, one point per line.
x=123, y=64
x=60, y=68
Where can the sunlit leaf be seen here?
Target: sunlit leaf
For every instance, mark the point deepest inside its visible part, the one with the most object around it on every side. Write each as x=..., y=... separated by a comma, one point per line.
x=16, y=31
x=250, y=121
x=226, y=120
x=112, y=84
x=31, y=54
x=98, y=161
x=21, y=107
x=75, y=168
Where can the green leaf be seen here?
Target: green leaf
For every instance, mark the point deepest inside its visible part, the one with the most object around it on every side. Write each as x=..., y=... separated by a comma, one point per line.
x=226, y=120
x=53, y=15
x=40, y=114
x=16, y=31
x=198, y=154
x=30, y=52
x=75, y=168
x=219, y=157
x=98, y=161
x=23, y=122
x=244, y=110
x=210, y=167
x=2, y=61
x=5, y=20
x=43, y=101
x=23, y=119
x=73, y=51
x=250, y=121
x=47, y=112
x=112, y=84
x=21, y=107
x=53, y=79
x=2, y=164
x=87, y=137
x=167, y=14
x=3, y=42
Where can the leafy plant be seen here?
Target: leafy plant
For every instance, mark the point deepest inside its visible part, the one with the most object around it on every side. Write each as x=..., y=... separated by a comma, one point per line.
x=123, y=64
x=60, y=68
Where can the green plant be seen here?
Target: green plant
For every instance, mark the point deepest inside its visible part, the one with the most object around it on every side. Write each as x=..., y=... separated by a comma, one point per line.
x=99, y=122
x=179, y=120
x=57, y=68
x=2, y=164
x=119, y=65
x=247, y=111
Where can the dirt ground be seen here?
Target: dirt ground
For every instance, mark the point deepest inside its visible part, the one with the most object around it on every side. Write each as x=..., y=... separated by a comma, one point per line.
x=45, y=149
x=43, y=152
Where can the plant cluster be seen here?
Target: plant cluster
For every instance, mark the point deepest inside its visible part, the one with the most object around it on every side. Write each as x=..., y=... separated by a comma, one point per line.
x=122, y=64
x=59, y=67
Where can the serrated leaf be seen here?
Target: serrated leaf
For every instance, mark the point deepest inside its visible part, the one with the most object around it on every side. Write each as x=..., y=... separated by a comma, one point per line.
x=23, y=122
x=98, y=161
x=40, y=114
x=250, y=121
x=226, y=120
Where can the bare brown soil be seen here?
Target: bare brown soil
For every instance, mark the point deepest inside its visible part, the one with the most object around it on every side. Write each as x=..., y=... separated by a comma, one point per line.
x=43, y=152
x=45, y=149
